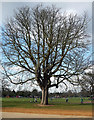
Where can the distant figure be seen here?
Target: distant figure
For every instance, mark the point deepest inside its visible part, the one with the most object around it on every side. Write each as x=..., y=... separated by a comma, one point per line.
x=66, y=100
x=35, y=99
x=51, y=98
x=81, y=100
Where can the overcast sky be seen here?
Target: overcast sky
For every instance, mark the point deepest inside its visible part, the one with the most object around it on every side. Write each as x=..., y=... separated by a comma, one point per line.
x=76, y=7
x=70, y=7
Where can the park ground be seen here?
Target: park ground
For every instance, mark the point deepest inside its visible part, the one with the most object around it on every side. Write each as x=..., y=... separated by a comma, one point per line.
x=57, y=106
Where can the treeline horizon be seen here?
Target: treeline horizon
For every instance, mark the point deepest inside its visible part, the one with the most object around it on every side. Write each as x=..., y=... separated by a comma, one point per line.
x=36, y=93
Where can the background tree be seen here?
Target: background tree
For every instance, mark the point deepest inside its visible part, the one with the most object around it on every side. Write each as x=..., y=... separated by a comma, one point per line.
x=35, y=92
x=42, y=43
x=4, y=85
x=87, y=81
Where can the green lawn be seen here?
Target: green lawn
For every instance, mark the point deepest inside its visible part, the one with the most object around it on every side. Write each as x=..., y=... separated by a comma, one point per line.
x=58, y=103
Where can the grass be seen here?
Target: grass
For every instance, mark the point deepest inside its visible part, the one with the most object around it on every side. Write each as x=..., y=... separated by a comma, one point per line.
x=58, y=103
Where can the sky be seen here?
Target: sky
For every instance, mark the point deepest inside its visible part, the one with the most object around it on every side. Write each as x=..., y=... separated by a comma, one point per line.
x=79, y=7
x=71, y=7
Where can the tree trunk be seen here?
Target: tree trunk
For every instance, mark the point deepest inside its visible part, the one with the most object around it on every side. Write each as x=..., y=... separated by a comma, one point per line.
x=44, y=100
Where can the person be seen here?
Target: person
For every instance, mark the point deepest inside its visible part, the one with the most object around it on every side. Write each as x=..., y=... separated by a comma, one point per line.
x=66, y=99
x=81, y=100
x=51, y=98
x=35, y=99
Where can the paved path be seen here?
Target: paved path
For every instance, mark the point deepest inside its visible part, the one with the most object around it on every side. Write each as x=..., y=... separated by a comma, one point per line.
x=30, y=115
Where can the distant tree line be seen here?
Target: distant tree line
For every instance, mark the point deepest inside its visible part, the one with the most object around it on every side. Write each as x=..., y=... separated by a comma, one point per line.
x=9, y=93
x=71, y=94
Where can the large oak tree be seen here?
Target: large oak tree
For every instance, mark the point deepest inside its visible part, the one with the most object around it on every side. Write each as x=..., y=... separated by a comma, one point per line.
x=42, y=43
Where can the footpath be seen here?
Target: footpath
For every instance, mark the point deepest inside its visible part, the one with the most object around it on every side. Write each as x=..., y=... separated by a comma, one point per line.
x=30, y=115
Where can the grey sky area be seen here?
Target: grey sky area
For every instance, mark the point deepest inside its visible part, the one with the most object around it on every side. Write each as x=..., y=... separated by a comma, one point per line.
x=70, y=7
x=78, y=7
x=8, y=8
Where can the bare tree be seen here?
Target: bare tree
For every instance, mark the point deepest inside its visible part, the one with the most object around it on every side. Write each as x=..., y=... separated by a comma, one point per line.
x=42, y=43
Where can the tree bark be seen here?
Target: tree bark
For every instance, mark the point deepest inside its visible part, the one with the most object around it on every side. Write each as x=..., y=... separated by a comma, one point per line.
x=44, y=100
